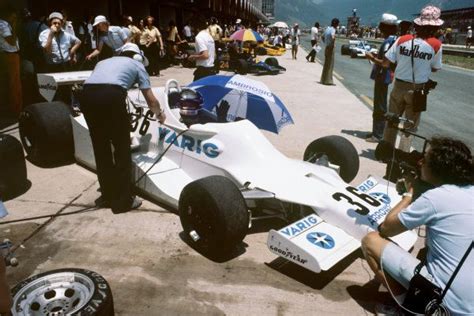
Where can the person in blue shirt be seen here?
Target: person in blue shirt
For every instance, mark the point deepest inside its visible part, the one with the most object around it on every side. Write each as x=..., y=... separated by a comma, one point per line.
x=447, y=211
x=112, y=36
x=59, y=47
x=329, y=39
x=103, y=103
x=382, y=77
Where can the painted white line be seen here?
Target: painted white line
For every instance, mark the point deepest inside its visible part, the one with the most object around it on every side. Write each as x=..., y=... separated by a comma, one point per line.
x=338, y=76
x=367, y=100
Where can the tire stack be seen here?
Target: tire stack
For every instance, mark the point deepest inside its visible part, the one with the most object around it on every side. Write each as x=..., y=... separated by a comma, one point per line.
x=13, y=177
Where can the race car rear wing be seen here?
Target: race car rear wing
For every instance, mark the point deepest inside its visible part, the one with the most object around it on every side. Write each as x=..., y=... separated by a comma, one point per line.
x=48, y=83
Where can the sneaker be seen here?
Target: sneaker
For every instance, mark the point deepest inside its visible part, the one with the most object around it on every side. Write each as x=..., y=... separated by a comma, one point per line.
x=372, y=139
x=102, y=202
x=307, y=58
x=136, y=203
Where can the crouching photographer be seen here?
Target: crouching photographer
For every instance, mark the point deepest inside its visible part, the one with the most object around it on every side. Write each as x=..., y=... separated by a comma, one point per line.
x=447, y=210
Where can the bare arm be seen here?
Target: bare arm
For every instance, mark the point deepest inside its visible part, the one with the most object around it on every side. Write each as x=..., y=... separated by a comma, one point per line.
x=75, y=47
x=95, y=52
x=202, y=55
x=392, y=225
x=154, y=105
x=380, y=62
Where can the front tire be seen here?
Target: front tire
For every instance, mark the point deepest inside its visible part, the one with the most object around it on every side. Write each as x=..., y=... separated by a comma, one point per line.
x=63, y=292
x=213, y=214
x=46, y=133
x=339, y=151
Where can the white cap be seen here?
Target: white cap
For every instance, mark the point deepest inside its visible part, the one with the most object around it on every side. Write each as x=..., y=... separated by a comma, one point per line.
x=238, y=21
x=469, y=27
x=131, y=47
x=389, y=19
x=99, y=19
x=55, y=15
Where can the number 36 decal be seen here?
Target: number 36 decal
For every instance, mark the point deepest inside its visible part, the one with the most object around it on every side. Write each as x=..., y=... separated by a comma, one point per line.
x=361, y=209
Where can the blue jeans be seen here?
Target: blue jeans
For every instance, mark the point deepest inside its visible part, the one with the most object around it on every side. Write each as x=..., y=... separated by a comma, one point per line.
x=380, y=108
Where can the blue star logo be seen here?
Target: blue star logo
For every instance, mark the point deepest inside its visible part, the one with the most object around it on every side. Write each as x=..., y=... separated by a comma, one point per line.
x=321, y=240
x=381, y=197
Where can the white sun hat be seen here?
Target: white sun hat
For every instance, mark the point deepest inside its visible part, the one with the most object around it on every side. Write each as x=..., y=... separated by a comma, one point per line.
x=429, y=16
x=389, y=19
x=99, y=19
x=139, y=56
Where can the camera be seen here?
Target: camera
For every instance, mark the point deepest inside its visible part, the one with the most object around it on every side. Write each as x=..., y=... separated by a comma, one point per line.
x=400, y=164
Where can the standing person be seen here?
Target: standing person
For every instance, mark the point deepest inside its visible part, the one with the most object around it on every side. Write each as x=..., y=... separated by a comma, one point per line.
x=447, y=210
x=67, y=25
x=329, y=39
x=172, y=40
x=104, y=107
x=110, y=35
x=135, y=32
x=425, y=51
x=205, y=53
x=314, y=40
x=382, y=77
x=469, y=37
x=59, y=46
x=152, y=44
x=295, y=40
x=10, y=59
x=187, y=32
x=215, y=30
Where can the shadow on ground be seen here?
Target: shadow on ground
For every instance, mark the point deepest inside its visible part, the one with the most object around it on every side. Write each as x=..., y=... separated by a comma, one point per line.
x=316, y=281
x=355, y=133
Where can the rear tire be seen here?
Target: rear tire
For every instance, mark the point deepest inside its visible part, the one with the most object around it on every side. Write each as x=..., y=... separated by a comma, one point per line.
x=242, y=67
x=345, y=49
x=46, y=133
x=13, y=179
x=272, y=61
x=353, y=54
x=339, y=151
x=213, y=214
x=63, y=292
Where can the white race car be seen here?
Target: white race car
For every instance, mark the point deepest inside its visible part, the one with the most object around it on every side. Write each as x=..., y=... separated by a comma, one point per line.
x=357, y=48
x=223, y=176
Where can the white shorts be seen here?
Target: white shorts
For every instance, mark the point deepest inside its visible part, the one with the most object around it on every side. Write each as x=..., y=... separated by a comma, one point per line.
x=401, y=265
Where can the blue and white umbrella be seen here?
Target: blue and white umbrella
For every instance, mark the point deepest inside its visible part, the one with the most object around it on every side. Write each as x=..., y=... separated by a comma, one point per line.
x=246, y=98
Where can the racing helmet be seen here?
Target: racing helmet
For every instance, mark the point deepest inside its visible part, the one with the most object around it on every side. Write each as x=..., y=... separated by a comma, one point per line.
x=190, y=102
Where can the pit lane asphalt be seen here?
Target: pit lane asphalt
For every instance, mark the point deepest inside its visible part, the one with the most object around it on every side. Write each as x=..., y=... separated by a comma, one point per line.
x=450, y=107
x=152, y=271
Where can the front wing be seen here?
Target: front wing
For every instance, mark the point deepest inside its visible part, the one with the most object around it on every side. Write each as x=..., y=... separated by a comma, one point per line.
x=317, y=245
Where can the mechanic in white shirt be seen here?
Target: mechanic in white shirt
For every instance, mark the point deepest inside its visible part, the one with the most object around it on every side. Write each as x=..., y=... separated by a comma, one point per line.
x=314, y=40
x=112, y=36
x=104, y=106
x=10, y=60
x=187, y=32
x=205, y=53
x=59, y=46
x=427, y=55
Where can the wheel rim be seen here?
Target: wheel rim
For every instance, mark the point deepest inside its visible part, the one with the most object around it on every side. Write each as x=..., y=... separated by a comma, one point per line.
x=56, y=294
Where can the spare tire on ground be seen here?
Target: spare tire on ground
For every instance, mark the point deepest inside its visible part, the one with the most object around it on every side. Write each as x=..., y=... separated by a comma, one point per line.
x=63, y=292
x=46, y=133
x=339, y=151
x=213, y=214
x=13, y=180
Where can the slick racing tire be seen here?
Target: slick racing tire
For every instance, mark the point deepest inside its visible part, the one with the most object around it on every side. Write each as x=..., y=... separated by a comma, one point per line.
x=272, y=61
x=46, y=133
x=63, y=292
x=345, y=49
x=242, y=67
x=213, y=214
x=13, y=178
x=339, y=151
x=353, y=54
